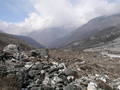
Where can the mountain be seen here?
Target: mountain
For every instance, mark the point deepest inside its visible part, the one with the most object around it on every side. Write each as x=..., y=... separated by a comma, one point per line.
x=100, y=38
x=111, y=47
x=27, y=39
x=30, y=41
x=80, y=38
x=48, y=36
x=6, y=39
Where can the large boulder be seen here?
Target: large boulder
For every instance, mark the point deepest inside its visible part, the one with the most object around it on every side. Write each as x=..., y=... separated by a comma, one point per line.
x=11, y=51
x=11, y=48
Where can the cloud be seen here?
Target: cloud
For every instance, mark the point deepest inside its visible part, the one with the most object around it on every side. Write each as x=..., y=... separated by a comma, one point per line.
x=57, y=13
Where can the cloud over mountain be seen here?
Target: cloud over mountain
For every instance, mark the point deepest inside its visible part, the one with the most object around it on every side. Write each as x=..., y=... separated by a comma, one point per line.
x=56, y=13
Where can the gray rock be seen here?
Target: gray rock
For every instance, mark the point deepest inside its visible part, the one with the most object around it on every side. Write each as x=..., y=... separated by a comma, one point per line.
x=11, y=48
x=41, y=53
x=3, y=71
x=47, y=88
x=72, y=87
x=54, y=69
x=36, y=88
x=37, y=66
x=28, y=65
x=35, y=53
x=92, y=86
x=70, y=72
x=32, y=73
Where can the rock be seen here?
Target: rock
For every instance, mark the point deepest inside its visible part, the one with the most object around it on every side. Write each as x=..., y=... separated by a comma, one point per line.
x=92, y=86
x=116, y=84
x=11, y=48
x=32, y=85
x=3, y=71
x=70, y=78
x=103, y=85
x=104, y=78
x=46, y=67
x=70, y=72
x=64, y=78
x=56, y=80
x=46, y=81
x=54, y=63
x=47, y=88
x=35, y=53
x=33, y=73
x=13, y=51
x=37, y=66
x=36, y=88
x=41, y=53
x=53, y=69
x=29, y=65
x=72, y=87
x=62, y=67
x=118, y=87
x=19, y=65
x=44, y=53
x=38, y=81
x=23, y=56
x=12, y=72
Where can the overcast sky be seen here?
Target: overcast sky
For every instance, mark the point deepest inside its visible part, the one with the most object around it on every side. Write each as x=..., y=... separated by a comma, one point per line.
x=23, y=16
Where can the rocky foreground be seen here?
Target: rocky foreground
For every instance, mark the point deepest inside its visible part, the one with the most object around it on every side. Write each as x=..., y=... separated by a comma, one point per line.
x=35, y=70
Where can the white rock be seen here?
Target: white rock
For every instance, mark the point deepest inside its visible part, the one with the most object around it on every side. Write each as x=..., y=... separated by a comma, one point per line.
x=70, y=77
x=83, y=62
x=42, y=71
x=118, y=87
x=28, y=65
x=62, y=65
x=104, y=78
x=55, y=63
x=92, y=86
x=46, y=81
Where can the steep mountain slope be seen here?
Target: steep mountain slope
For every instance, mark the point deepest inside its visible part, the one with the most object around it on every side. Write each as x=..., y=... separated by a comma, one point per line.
x=112, y=47
x=100, y=38
x=88, y=30
x=6, y=39
x=30, y=41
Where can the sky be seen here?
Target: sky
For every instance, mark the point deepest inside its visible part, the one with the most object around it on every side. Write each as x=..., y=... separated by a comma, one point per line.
x=24, y=16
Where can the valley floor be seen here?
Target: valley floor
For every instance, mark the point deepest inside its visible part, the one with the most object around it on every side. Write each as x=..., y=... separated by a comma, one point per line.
x=90, y=62
x=72, y=70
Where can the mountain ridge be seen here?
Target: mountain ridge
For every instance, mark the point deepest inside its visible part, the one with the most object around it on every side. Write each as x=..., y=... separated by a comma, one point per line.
x=88, y=30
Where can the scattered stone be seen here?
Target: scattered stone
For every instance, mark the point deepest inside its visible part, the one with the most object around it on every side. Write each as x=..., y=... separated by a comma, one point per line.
x=42, y=75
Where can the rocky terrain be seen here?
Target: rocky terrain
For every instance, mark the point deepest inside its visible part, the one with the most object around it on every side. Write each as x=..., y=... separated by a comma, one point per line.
x=57, y=70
